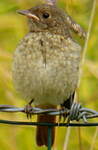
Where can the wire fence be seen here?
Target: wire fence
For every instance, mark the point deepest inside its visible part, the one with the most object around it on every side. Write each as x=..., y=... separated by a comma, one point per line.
x=76, y=113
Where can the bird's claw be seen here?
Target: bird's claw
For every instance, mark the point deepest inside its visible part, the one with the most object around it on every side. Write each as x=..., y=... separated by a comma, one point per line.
x=28, y=110
x=63, y=114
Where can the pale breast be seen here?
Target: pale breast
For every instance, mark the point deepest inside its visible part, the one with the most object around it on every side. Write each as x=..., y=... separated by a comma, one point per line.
x=46, y=68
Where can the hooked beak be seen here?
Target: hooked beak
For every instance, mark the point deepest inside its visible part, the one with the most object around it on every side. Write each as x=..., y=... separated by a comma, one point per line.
x=28, y=14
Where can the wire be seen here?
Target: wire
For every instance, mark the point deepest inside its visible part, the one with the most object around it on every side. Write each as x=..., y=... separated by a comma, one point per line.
x=77, y=112
x=48, y=124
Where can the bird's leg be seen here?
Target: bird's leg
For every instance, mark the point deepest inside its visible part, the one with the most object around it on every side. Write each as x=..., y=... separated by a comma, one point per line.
x=67, y=105
x=62, y=113
x=28, y=109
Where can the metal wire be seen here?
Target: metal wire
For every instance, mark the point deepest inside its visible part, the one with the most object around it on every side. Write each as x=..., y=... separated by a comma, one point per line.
x=48, y=124
x=77, y=112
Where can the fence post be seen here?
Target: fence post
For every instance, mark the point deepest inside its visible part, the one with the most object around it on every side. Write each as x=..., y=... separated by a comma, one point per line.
x=49, y=137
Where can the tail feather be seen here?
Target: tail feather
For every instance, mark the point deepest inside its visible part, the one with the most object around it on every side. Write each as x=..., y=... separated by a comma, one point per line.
x=42, y=131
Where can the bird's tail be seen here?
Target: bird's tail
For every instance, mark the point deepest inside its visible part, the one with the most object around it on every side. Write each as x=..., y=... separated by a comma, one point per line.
x=42, y=131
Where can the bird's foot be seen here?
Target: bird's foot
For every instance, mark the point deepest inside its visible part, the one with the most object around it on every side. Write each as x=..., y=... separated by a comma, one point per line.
x=63, y=114
x=65, y=107
x=28, y=110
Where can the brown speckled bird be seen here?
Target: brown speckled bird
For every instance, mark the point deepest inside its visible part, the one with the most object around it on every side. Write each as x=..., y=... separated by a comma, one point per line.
x=46, y=62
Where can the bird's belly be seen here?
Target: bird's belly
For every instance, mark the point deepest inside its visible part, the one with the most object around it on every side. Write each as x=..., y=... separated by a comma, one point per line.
x=48, y=84
x=49, y=78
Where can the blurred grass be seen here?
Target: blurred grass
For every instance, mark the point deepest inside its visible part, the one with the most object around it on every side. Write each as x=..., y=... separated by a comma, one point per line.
x=12, y=28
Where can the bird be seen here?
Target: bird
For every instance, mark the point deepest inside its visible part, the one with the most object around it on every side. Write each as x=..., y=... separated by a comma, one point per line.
x=46, y=62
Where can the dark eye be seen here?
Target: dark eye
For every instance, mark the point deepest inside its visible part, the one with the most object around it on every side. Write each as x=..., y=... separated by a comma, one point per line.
x=45, y=15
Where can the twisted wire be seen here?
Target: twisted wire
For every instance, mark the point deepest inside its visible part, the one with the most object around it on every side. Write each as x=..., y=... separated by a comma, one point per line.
x=77, y=112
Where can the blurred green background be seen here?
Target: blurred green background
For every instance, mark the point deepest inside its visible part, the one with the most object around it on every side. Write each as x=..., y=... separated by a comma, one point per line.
x=12, y=28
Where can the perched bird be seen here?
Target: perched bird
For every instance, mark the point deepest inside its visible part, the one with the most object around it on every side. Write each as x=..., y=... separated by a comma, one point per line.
x=47, y=61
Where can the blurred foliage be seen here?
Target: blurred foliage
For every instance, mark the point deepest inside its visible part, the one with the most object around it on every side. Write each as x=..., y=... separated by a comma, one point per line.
x=12, y=28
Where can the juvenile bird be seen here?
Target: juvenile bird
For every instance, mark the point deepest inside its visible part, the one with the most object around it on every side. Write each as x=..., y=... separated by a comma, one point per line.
x=47, y=61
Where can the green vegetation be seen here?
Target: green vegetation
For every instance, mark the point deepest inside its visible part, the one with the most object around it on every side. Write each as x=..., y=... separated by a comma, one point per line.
x=12, y=28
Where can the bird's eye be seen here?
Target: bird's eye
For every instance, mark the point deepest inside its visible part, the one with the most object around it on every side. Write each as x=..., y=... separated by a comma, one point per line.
x=46, y=15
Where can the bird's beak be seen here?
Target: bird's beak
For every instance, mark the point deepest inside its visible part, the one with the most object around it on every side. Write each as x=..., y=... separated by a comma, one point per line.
x=28, y=14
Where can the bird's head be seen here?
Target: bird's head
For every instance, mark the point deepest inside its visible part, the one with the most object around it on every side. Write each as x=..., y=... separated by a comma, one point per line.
x=46, y=17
